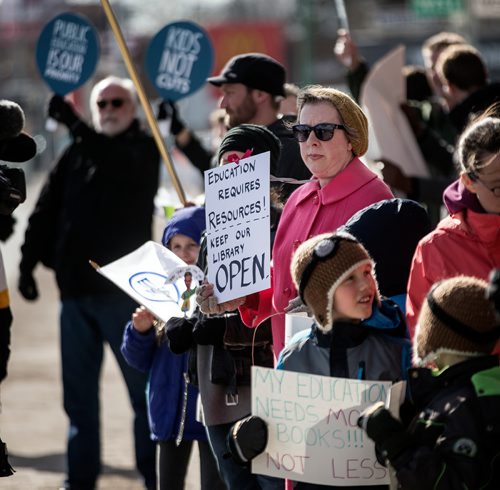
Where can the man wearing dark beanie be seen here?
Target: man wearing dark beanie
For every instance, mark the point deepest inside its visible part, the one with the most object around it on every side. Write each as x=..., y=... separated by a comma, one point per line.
x=252, y=86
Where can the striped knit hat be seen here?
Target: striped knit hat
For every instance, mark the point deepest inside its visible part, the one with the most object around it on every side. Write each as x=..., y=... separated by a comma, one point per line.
x=320, y=265
x=457, y=317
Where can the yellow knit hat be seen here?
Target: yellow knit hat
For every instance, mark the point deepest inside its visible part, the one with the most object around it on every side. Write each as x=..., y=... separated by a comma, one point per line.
x=351, y=114
x=354, y=118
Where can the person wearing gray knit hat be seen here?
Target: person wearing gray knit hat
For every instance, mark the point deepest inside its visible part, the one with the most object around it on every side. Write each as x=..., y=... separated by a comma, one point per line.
x=456, y=318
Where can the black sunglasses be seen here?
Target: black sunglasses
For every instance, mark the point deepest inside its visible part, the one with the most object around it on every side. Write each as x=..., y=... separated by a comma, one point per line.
x=116, y=103
x=323, y=131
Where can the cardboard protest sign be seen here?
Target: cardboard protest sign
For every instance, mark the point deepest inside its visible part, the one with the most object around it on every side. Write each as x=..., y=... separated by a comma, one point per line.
x=391, y=136
x=179, y=59
x=237, y=212
x=156, y=278
x=67, y=52
x=313, y=432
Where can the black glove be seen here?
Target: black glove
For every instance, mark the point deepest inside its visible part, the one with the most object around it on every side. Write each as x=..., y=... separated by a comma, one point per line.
x=179, y=334
x=7, y=223
x=61, y=111
x=5, y=467
x=388, y=433
x=27, y=286
x=5, y=324
x=166, y=110
x=209, y=330
x=246, y=439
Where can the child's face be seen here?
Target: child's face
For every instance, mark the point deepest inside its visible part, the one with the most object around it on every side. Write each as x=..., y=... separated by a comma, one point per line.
x=353, y=299
x=185, y=248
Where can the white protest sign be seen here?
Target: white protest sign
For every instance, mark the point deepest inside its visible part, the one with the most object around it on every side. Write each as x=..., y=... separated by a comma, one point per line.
x=391, y=136
x=237, y=212
x=312, y=426
x=156, y=278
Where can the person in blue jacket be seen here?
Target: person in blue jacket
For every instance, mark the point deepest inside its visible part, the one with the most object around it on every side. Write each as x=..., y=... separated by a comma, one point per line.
x=171, y=398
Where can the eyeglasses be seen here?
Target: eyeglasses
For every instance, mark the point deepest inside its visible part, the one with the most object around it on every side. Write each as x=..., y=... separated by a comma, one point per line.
x=116, y=103
x=323, y=131
x=475, y=178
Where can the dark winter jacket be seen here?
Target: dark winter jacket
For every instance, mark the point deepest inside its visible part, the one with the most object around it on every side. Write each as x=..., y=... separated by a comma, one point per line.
x=453, y=441
x=97, y=204
x=5, y=321
x=376, y=349
x=170, y=416
x=222, y=350
x=475, y=103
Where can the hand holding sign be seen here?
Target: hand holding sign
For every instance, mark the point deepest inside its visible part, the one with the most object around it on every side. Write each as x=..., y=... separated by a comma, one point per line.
x=61, y=111
x=207, y=302
x=67, y=52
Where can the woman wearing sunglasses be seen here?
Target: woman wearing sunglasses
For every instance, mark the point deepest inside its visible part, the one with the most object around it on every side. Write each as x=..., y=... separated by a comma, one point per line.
x=332, y=132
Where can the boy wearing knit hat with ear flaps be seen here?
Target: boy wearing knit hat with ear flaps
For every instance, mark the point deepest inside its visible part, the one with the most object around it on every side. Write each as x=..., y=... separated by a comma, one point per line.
x=360, y=334
x=357, y=334
x=449, y=436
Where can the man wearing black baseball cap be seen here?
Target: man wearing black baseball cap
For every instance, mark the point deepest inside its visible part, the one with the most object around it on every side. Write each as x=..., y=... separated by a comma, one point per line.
x=248, y=69
x=252, y=86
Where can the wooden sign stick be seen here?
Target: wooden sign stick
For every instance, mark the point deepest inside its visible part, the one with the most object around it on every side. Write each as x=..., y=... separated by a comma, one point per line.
x=160, y=143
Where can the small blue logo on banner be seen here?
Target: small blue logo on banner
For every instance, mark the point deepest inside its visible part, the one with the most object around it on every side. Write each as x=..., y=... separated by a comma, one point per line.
x=179, y=59
x=153, y=287
x=67, y=52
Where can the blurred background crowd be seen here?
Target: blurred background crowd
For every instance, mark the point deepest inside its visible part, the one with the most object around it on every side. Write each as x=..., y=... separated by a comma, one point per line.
x=299, y=33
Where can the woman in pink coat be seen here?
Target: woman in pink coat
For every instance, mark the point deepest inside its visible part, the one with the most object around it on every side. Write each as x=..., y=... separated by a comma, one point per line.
x=467, y=242
x=332, y=132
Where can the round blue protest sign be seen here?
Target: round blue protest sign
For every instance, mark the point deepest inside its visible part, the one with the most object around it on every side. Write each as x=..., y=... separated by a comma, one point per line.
x=67, y=52
x=179, y=59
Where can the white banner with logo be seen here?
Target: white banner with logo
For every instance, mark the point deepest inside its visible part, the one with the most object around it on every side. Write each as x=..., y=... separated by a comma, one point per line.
x=156, y=278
